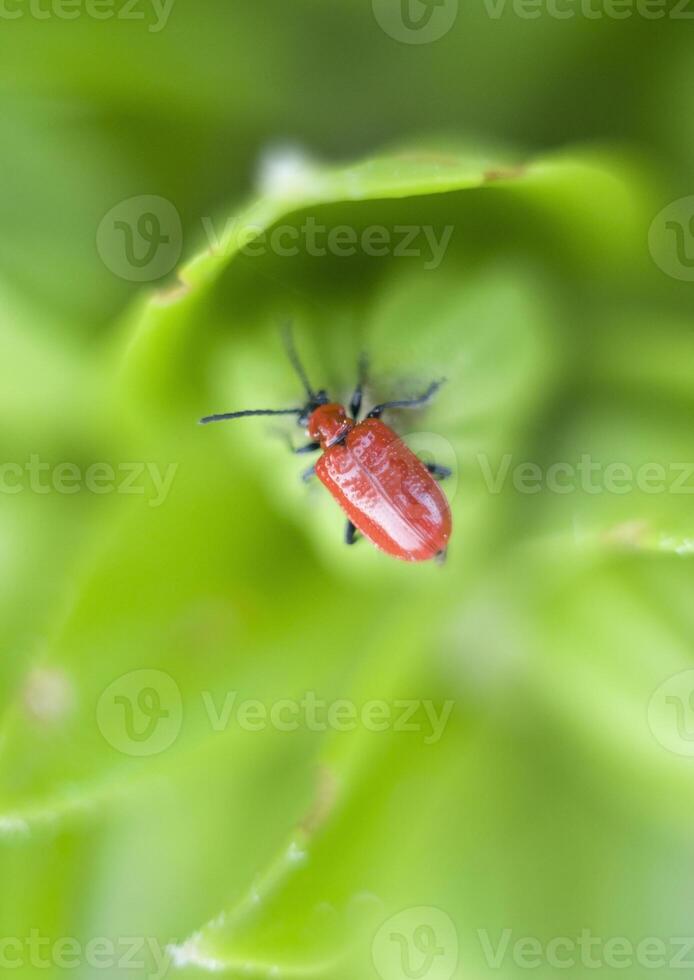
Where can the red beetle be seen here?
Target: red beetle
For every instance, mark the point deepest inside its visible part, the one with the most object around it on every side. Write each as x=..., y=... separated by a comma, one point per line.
x=387, y=493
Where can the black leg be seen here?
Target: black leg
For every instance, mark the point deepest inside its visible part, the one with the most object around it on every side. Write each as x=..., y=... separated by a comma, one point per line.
x=355, y=403
x=310, y=447
x=440, y=557
x=287, y=439
x=350, y=533
x=376, y=412
x=440, y=472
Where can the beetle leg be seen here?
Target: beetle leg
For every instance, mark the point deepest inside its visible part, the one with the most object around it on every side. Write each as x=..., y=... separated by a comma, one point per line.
x=350, y=533
x=287, y=440
x=310, y=447
x=439, y=472
x=440, y=556
x=355, y=402
x=376, y=412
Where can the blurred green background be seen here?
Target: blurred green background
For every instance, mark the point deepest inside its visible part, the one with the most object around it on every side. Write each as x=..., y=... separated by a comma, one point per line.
x=520, y=796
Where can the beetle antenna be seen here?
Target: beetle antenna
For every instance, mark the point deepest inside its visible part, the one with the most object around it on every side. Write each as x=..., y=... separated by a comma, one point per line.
x=251, y=411
x=288, y=337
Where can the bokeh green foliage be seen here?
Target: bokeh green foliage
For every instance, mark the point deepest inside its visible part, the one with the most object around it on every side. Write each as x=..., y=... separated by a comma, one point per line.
x=547, y=806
